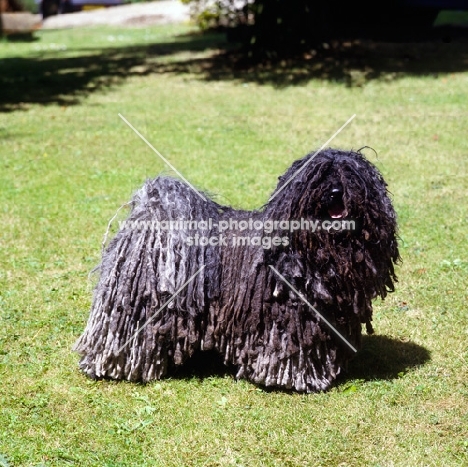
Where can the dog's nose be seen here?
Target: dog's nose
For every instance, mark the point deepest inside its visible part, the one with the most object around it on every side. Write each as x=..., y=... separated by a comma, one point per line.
x=336, y=193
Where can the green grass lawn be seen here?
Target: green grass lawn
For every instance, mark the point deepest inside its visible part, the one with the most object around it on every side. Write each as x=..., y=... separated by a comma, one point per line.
x=67, y=162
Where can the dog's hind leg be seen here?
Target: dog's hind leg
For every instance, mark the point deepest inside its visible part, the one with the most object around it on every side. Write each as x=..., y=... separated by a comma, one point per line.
x=150, y=303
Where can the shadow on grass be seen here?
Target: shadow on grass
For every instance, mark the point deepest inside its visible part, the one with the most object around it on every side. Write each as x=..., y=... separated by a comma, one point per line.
x=385, y=358
x=23, y=37
x=352, y=63
x=380, y=358
x=64, y=78
x=57, y=77
x=203, y=365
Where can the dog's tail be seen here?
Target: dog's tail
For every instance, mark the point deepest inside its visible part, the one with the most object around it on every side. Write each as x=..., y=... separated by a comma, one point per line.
x=156, y=277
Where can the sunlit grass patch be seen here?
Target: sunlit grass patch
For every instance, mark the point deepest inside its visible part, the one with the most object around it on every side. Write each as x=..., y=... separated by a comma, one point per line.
x=68, y=162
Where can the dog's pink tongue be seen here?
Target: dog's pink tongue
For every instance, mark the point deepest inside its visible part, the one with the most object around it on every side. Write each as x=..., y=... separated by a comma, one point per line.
x=336, y=212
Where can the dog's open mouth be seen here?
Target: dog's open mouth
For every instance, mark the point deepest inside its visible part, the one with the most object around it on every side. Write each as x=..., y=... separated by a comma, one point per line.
x=336, y=208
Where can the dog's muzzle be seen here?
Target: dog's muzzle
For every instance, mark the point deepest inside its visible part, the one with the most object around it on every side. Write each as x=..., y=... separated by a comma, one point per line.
x=335, y=205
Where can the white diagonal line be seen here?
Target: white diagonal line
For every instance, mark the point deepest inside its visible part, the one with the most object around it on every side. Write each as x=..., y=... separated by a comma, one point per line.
x=332, y=328
x=162, y=157
x=310, y=160
x=162, y=308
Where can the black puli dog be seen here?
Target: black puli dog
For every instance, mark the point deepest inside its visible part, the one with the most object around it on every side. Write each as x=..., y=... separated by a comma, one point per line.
x=281, y=293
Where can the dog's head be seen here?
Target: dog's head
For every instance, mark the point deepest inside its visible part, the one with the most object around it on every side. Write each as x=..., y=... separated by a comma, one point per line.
x=353, y=238
x=333, y=184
